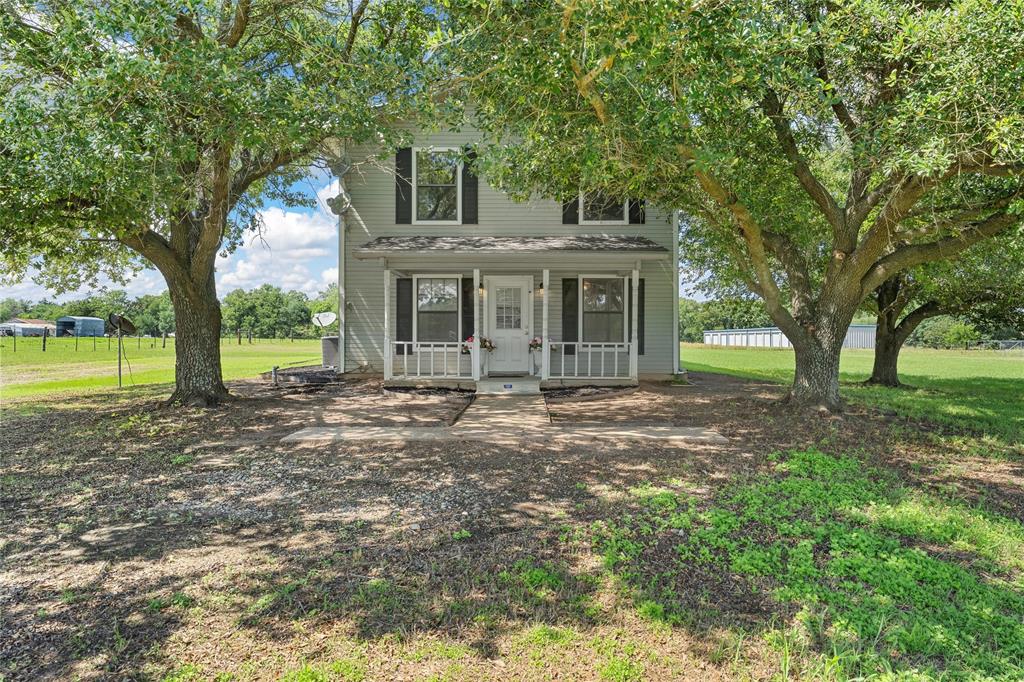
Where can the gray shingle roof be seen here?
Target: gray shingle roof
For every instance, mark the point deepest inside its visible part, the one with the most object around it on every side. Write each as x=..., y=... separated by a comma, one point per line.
x=510, y=244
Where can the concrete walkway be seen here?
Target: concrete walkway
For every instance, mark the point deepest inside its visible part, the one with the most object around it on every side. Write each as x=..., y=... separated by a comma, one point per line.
x=507, y=419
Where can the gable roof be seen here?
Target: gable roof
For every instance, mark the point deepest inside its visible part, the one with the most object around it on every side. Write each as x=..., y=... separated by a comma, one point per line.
x=29, y=321
x=385, y=246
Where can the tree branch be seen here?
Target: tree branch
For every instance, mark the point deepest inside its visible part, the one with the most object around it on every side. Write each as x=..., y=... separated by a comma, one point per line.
x=914, y=318
x=751, y=231
x=916, y=254
x=793, y=262
x=353, y=30
x=188, y=27
x=234, y=32
x=772, y=108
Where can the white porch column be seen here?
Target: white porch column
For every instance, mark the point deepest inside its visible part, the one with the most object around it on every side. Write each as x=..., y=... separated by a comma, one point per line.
x=475, y=350
x=545, y=350
x=634, y=364
x=387, y=323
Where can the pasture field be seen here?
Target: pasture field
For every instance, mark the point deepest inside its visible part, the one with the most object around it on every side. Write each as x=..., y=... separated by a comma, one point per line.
x=982, y=391
x=28, y=371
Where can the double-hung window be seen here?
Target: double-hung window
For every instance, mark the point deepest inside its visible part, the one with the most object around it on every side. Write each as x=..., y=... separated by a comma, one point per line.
x=598, y=209
x=437, y=309
x=603, y=309
x=437, y=186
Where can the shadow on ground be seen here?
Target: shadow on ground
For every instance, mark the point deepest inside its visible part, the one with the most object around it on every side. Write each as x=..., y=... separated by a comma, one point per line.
x=138, y=540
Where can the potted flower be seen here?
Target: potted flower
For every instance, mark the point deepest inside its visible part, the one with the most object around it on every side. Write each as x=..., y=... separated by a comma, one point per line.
x=485, y=344
x=536, y=343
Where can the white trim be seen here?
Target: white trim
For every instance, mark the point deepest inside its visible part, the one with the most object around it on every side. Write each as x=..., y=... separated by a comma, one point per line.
x=545, y=360
x=458, y=188
x=342, y=272
x=387, y=323
x=475, y=351
x=579, y=305
x=624, y=221
x=634, y=306
x=527, y=310
x=416, y=306
x=676, y=360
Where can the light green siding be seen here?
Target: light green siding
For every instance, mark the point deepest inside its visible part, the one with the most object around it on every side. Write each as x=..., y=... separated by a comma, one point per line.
x=372, y=215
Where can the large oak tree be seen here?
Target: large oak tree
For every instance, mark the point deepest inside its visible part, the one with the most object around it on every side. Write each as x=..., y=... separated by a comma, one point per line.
x=984, y=285
x=819, y=148
x=149, y=133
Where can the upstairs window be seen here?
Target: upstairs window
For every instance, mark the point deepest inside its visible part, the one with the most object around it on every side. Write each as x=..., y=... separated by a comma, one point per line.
x=598, y=209
x=437, y=309
x=604, y=309
x=437, y=186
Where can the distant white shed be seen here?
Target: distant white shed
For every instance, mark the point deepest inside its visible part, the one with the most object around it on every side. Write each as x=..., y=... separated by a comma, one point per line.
x=857, y=336
x=75, y=325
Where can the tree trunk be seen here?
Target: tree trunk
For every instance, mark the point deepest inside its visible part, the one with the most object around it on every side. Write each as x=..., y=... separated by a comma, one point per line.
x=197, y=373
x=887, y=354
x=816, y=381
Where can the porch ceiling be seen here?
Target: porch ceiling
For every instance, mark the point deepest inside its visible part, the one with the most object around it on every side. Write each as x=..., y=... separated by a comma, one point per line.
x=632, y=248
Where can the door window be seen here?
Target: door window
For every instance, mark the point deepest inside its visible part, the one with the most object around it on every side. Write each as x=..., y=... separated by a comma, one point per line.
x=508, y=308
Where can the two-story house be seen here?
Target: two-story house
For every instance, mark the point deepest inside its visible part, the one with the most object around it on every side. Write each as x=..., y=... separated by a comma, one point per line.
x=445, y=280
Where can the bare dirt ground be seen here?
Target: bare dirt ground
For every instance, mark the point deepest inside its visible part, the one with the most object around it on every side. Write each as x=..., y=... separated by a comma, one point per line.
x=139, y=542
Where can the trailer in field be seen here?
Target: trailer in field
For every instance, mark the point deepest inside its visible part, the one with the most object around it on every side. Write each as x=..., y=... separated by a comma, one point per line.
x=74, y=325
x=857, y=336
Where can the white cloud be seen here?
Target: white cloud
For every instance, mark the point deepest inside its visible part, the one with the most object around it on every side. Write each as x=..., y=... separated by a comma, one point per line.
x=297, y=251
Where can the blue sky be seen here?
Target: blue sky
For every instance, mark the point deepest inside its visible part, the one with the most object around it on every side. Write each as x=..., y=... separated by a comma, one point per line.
x=299, y=251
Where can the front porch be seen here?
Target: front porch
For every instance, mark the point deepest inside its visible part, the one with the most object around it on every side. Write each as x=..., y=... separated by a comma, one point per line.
x=481, y=309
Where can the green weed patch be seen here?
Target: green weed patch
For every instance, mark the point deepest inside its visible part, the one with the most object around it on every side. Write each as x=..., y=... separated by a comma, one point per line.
x=872, y=577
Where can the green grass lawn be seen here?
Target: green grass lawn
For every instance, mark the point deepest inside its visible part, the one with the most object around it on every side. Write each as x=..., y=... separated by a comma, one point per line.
x=28, y=371
x=978, y=390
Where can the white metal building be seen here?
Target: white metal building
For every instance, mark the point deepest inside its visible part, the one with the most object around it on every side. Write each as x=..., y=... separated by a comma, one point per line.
x=857, y=336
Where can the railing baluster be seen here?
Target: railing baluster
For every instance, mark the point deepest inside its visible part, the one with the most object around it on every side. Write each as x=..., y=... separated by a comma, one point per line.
x=615, y=363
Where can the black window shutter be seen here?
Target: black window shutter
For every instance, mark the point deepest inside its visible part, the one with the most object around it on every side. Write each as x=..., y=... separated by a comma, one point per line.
x=636, y=212
x=639, y=318
x=571, y=212
x=468, y=299
x=403, y=309
x=570, y=311
x=470, y=193
x=403, y=187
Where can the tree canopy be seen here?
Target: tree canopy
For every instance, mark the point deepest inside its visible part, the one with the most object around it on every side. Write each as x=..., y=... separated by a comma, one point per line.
x=149, y=133
x=817, y=148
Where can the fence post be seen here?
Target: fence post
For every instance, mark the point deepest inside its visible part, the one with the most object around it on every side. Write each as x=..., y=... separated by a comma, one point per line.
x=45, y=331
x=94, y=342
x=76, y=340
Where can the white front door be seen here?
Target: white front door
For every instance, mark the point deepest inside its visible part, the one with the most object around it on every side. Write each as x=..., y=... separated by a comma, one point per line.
x=508, y=324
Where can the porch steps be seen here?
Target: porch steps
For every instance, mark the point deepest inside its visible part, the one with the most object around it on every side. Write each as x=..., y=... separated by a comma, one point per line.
x=508, y=385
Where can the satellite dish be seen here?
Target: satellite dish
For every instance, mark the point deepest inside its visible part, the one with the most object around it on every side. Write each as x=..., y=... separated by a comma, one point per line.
x=322, y=320
x=121, y=323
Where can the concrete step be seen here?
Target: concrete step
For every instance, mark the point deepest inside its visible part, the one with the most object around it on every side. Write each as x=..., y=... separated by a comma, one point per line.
x=508, y=385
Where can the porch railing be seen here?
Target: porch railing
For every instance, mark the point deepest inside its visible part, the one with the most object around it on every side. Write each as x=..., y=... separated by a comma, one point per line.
x=436, y=360
x=584, y=360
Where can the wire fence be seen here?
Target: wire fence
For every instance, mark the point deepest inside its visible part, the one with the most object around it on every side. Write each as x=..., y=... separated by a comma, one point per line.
x=86, y=344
